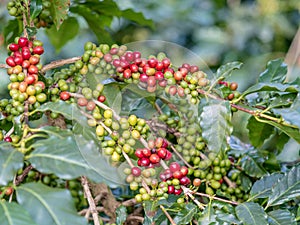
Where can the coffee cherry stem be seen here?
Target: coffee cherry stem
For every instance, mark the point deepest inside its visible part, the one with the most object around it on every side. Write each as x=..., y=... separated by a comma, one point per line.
x=4, y=66
x=215, y=83
x=229, y=182
x=10, y=132
x=59, y=63
x=167, y=215
x=189, y=193
x=216, y=198
x=179, y=156
x=88, y=195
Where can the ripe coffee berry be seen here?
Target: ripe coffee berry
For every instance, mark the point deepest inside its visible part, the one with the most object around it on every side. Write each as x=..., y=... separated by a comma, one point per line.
x=174, y=166
x=154, y=158
x=22, y=42
x=8, y=139
x=38, y=50
x=135, y=171
x=101, y=98
x=162, y=153
x=64, y=95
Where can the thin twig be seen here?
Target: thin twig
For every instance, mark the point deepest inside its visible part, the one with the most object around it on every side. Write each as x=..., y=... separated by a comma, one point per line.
x=167, y=214
x=21, y=177
x=229, y=182
x=84, y=211
x=4, y=66
x=90, y=199
x=179, y=155
x=59, y=63
x=130, y=202
x=188, y=192
x=216, y=198
x=138, y=218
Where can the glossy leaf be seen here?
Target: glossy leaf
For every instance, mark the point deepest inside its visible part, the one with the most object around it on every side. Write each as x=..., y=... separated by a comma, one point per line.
x=290, y=131
x=113, y=97
x=208, y=216
x=281, y=217
x=36, y=7
x=263, y=187
x=186, y=215
x=258, y=132
x=253, y=166
x=68, y=30
x=69, y=156
x=226, y=70
x=14, y=214
x=216, y=125
x=121, y=213
x=137, y=17
x=287, y=188
x=251, y=214
x=271, y=87
x=246, y=182
x=59, y=10
x=292, y=114
x=275, y=72
x=13, y=28
x=69, y=111
x=97, y=22
x=49, y=206
x=11, y=160
x=150, y=212
x=282, y=100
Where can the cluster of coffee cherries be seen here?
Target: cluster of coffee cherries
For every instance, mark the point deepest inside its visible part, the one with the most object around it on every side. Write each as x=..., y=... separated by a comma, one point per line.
x=126, y=133
x=17, y=8
x=24, y=86
x=151, y=156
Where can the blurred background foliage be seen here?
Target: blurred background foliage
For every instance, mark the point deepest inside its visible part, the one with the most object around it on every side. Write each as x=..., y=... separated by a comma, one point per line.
x=218, y=31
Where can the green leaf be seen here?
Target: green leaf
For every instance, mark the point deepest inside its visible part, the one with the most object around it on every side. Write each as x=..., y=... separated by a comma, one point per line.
x=14, y=214
x=282, y=100
x=270, y=87
x=258, y=132
x=150, y=208
x=186, y=215
x=208, y=216
x=292, y=114
x=281, y=217
x=121, y=214
x=253, y=166
x=68, y=30
x=113, y=96
x=251, y=214
x=216, y=125
x=59, y=10
x=246, y=182
x=13, y=29
x=226, y=70
x=93, y=79
x=96, y=22
x=290, y=131
x=137, y=17
x=36, y=7
x=11, y=160
x=286, y=188
x=263, y=187
x=48, y=206
x=69, y=156
x=69, y=111
x=275, y=72
x=106, y=7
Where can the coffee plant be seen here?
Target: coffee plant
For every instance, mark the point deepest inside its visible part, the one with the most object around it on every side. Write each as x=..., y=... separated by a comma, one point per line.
x=118, y=136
